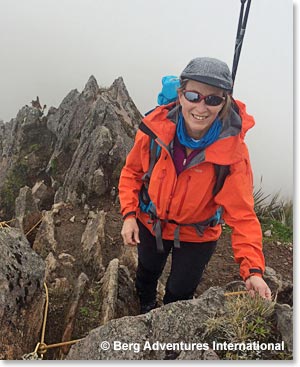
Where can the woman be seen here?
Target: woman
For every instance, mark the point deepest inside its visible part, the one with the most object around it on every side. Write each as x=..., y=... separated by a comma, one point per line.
x=202, y=130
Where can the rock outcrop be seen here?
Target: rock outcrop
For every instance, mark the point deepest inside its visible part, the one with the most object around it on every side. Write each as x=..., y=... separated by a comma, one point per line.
x=92, y=239
x=27, y=212
x=94, y=133
x=117, y=293
x=21, y=295
x=284, y=316
x=77, y=150
x=25, y=150
x=173, y=323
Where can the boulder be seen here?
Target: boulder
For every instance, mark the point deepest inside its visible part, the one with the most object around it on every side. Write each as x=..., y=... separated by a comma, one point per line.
x=172, y=323
x=117, y=293
x=21, y=295
x=92, y=241
x=268, y=233
x=78, y=292
x=109, y=292
x=129, y=258
x=273, y=280
x=27, y=212
x=45, y=241
x=51, y=265
x=43, y=195
x=284, y=316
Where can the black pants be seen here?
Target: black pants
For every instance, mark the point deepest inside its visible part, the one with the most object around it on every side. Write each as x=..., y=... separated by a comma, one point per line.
x=188, y=263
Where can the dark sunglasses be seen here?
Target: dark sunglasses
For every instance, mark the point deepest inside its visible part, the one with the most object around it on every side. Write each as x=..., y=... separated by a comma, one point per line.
x=195, y=97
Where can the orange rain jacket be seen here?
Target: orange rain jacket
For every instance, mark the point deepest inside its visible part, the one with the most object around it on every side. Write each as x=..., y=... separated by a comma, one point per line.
x=188, y=198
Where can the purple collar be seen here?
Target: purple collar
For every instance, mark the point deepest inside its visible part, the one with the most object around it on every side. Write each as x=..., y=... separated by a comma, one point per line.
x=180, y=157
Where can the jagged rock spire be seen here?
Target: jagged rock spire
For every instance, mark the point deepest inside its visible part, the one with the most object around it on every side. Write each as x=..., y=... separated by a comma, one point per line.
x=91, y=88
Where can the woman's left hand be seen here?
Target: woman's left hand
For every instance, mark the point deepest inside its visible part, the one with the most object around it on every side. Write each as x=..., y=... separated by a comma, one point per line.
x=257, y=284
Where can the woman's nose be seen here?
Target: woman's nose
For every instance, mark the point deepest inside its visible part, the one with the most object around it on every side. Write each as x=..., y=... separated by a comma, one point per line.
x=201, y=106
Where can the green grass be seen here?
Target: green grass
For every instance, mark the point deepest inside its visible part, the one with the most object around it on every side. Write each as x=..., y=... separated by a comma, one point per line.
x=274, y=214
x=280, y=232
x=84, y=311
x=245, y=319
x=269, y=207
x=53, y=165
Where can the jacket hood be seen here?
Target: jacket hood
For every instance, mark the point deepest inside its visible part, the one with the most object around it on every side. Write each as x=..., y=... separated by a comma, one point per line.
x=247, y=120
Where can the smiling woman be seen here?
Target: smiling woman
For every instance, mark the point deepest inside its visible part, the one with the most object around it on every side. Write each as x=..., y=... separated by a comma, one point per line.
x=169, y=201
x=204, y=95
x=199, y=115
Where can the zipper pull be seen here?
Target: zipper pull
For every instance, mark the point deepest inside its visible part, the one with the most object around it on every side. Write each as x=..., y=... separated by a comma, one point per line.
x=184, y=162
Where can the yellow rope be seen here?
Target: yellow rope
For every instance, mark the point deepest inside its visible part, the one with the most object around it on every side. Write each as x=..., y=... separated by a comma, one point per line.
x=45, y=316
x=41, y=347
x=4, y=223
x=36, y=224
x=235, y=293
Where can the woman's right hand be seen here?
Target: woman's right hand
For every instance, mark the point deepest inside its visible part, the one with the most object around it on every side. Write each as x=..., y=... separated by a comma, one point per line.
x=130, y=232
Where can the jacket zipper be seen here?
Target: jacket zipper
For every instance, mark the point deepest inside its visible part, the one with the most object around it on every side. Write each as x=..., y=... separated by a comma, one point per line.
x=184, y=195
x=162, y=178
x=170, y=198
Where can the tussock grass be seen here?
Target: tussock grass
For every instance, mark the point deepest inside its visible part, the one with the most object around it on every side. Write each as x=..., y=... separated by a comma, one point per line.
x=275, y=214
x=245, y=319
x=273, y=207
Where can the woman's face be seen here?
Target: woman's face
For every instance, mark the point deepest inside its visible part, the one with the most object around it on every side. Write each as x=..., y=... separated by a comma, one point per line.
x=199, y=116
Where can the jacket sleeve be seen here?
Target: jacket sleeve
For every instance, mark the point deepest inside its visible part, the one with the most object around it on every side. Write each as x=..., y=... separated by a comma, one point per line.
x=236, y=197
x=130, y=182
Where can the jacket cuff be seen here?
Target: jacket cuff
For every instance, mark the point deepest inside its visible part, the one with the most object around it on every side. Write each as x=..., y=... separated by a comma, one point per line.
x=254, y=271
x=129, y=215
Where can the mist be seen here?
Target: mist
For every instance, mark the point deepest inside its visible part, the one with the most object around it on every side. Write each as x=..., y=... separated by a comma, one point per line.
x=51, y=47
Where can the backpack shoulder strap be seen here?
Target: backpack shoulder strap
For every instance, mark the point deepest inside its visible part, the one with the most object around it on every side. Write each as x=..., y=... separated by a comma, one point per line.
x=145, y=129
x=221, y=172
x=155, y=150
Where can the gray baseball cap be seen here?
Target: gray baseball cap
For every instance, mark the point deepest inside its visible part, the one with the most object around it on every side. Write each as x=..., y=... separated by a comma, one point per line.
x=209, y=71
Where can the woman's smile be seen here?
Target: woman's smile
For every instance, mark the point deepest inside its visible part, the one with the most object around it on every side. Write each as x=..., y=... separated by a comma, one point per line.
x=199, y=117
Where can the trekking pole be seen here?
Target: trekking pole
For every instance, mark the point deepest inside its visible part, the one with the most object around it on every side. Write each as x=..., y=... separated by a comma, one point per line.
x=243, y=18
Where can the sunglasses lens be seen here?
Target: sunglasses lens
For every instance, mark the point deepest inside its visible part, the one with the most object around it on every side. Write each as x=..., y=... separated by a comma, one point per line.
x=195, y=97
x=213, y=100
x=192, y=96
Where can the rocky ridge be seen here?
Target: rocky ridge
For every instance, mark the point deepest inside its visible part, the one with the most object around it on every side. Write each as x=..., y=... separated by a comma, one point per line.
x=58, y=179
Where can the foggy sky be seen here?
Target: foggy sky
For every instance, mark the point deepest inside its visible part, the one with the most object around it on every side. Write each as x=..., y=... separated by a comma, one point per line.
x=50, y=47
